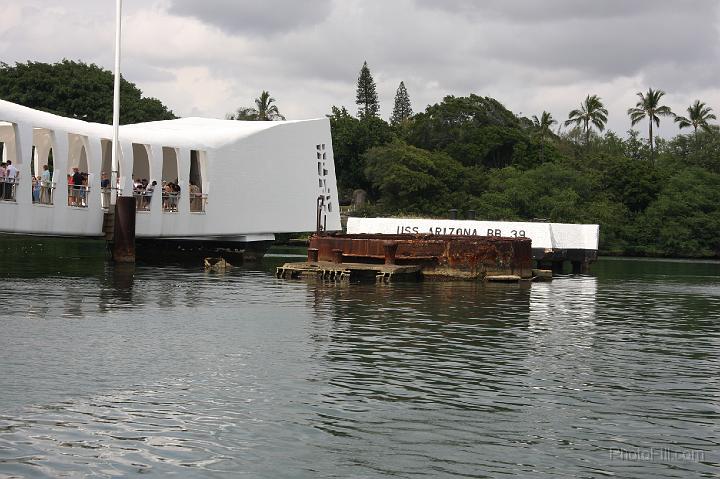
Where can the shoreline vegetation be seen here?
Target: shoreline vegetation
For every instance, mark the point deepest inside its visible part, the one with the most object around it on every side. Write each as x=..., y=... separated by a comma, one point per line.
x=652, y=197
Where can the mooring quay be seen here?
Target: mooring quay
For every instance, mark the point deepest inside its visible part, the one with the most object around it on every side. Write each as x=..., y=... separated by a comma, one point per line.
x=387, y=258
x=553, y=244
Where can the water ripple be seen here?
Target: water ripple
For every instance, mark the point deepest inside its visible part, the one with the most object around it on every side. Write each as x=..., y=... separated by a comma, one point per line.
x=172, y=370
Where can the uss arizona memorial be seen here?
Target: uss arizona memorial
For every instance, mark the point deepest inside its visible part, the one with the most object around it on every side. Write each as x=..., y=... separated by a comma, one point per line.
x=254, y=179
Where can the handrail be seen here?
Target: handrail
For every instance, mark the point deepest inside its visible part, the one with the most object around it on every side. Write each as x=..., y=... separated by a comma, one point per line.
x=78, y=195
x=142, y=199
x=198, y=202
x=105, y=196
x=170, y=201
x=43, y=192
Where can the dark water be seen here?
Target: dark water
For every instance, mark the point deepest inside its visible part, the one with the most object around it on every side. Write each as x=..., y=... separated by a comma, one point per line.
x=171, y=370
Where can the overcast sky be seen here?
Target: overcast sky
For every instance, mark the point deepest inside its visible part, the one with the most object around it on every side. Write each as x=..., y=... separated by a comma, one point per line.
x=207, y=57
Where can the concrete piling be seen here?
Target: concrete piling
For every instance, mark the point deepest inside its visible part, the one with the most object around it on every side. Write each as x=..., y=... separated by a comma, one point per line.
x=123, y=248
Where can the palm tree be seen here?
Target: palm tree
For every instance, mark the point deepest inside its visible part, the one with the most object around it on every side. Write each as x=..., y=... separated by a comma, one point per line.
x=264, y=110
x=543, y=125
x=649, y=106
x=592, y=111
x=698, y=116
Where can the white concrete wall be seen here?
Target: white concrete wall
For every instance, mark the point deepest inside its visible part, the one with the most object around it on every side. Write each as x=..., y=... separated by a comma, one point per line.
x=543, y=235
x=264, y=181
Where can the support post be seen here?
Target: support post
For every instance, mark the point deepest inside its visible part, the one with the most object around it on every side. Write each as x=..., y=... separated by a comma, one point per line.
x=116, y=101
x=124, y=235
x=390, y=249
x=337, y=256
x=580, y=267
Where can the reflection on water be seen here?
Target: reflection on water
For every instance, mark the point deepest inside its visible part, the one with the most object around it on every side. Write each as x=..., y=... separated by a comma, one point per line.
x=169, y=369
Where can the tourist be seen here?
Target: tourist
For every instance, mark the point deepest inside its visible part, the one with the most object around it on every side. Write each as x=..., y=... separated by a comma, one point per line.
x=45, y=186
x=83, y=190
x=36, y=189
x=138, y=193
x=195, y=197
x=170, y=194
x=77, y=186
x=166, y=195
x=11, y=177
x=105, y=188
x=3, y=166
x=176, y=195
x=149, y=193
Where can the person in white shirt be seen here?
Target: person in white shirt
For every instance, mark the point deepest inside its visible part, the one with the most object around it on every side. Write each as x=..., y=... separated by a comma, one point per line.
x=45, y=180
x=11, y=177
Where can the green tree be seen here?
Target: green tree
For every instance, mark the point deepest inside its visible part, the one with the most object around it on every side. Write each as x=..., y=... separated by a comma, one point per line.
x=591, y=111
x=474, y=130
x=699, y=114
x=543, y=125
x=685, y=218
x=402, y=110
x=77, y=90
x=649, y=106
x=366, y=95
x=264, y=110
x=412, y=180
x=351, y=138
x=635, y=184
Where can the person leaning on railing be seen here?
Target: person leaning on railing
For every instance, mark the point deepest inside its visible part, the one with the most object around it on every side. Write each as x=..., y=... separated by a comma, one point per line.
x=77, y=180
x=105, y=188
x=149, y=190
x=195, y=197
x=84, y=189
x=11, y=177
x=3, y=171
x=45, y=186
x=35, y=189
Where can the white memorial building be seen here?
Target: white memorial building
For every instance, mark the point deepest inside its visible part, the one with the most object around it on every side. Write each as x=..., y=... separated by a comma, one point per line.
x=239, y=181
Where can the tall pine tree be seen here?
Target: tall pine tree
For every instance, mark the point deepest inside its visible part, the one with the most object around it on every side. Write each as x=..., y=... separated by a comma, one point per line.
x=367, y=98
x=402, y=109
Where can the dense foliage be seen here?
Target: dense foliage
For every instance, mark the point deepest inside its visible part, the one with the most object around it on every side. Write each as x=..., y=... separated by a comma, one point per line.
x=471, y=153
x=76, y=90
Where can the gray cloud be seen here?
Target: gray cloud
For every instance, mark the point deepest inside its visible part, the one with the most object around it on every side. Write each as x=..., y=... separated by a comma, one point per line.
x=207, y=58
x=264, y=17
x=564, y=10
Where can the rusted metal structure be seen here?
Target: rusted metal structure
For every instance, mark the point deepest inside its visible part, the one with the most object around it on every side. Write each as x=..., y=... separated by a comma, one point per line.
x=437, y=256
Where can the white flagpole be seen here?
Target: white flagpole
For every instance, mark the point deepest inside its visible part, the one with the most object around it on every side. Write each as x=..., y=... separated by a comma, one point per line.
x=116, y=101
